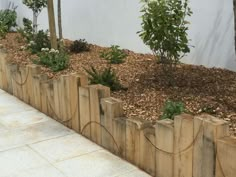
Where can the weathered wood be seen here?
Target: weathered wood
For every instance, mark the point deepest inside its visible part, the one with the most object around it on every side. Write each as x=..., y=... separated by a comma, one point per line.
x=147, y=150
x=84, y=107
x=111, y=108
x=213, y=129
x=24, y=79
x=57, y=102
x=133, y=149
x=97, y=92
x=9, y=76
x=32, y=71
x=74, y=102
x=197, y=147
x=36, y=90
x=65, y=100
x=226, y=156
x=165, y=145
x=119, y=134
x=183, y=145
x=16, y=81
x=3, y=77
x=49, y=91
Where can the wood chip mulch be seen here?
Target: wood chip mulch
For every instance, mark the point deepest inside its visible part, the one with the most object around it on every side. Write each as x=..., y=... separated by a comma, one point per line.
x=197, y=86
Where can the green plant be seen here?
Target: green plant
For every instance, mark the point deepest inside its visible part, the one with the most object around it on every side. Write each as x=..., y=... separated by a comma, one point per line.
x=208, y=109
x=164, y=30
x=27, y=31
x=79, y=46
x=172, y=109
x=114, y=55
x=105, y=77
x=54, y=59
x=36, y=6
x=40, y=40
x=3, y=30
x=7, y=20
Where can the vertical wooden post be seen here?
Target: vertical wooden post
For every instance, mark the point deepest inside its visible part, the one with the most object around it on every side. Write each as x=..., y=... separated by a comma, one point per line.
x=213, y=129
x=24, y=80
x=165, y=145
x=97, y=92
x=49, y=91
x=76, y=81
x=226, y=155
x=3, y=80
x=119, y=134
x=183, y=145
x=36, y=82
x=57, y=99
x=44, y=97
x=147, y=150
x=33, y=70
x=65, y=100
x=111, y=108
x=133, y=140
x=16, y=81
x=9, y=76
x=84, y=108
x=197, y=147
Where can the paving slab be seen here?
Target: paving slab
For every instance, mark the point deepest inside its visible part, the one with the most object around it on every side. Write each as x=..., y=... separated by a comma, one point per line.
x=34, y=145
x=65, y=147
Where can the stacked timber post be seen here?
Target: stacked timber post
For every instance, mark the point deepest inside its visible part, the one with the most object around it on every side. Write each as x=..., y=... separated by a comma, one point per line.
x=187, y=146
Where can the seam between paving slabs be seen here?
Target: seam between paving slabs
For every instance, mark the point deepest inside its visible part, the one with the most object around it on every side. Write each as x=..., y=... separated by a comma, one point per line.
x=47, y=160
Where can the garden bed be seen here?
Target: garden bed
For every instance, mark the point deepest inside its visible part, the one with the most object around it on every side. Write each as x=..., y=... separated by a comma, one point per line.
x=199, y=88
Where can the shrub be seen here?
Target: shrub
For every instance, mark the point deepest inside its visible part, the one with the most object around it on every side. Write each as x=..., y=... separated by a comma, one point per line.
x=40, y=40
x=27, y=31
x=114, y=55
x=3, y=30
x=172, y=109
x=106, y=77
x=164, y=30
x=7, y=20
x=79, y=46
x=54, y=59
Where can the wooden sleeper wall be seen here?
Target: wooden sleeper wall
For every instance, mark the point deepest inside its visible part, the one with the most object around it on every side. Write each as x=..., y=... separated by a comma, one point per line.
x=188, y=146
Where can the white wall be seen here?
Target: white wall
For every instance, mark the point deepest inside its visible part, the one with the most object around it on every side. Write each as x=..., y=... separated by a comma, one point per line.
x=106, y=22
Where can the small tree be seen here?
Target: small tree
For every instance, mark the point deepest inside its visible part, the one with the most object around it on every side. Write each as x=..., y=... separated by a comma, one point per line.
x=164, y=30
x=36, y=6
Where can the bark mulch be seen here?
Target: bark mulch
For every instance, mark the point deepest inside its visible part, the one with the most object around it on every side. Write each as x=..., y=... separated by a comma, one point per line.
x=200, y=88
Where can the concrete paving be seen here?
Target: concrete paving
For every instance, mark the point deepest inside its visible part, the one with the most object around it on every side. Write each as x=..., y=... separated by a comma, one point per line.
x=34, y=145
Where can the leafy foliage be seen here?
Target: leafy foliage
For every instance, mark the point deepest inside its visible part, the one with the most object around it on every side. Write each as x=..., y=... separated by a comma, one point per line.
x=164, y=30
x=36, y=5
x=106, y=77
x=79, y=46
x=54, y=59
x=40, y=40
x=114, y=55
x=27, y=31
x=36, y=41
x=7, y=20
x=172, y=109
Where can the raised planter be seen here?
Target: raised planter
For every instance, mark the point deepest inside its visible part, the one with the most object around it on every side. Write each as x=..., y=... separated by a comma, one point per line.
x=188, y=146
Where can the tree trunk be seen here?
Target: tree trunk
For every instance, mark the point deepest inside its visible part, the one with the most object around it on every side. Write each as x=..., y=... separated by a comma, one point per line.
x=35, y=22
x=59, y=20
x=234, y=1
x=52, y=26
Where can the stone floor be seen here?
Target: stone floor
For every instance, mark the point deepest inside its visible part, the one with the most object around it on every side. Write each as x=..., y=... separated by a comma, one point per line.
x=34, y=145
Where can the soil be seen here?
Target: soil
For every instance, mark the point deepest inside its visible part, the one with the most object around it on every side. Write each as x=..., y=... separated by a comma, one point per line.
x=198, y=87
